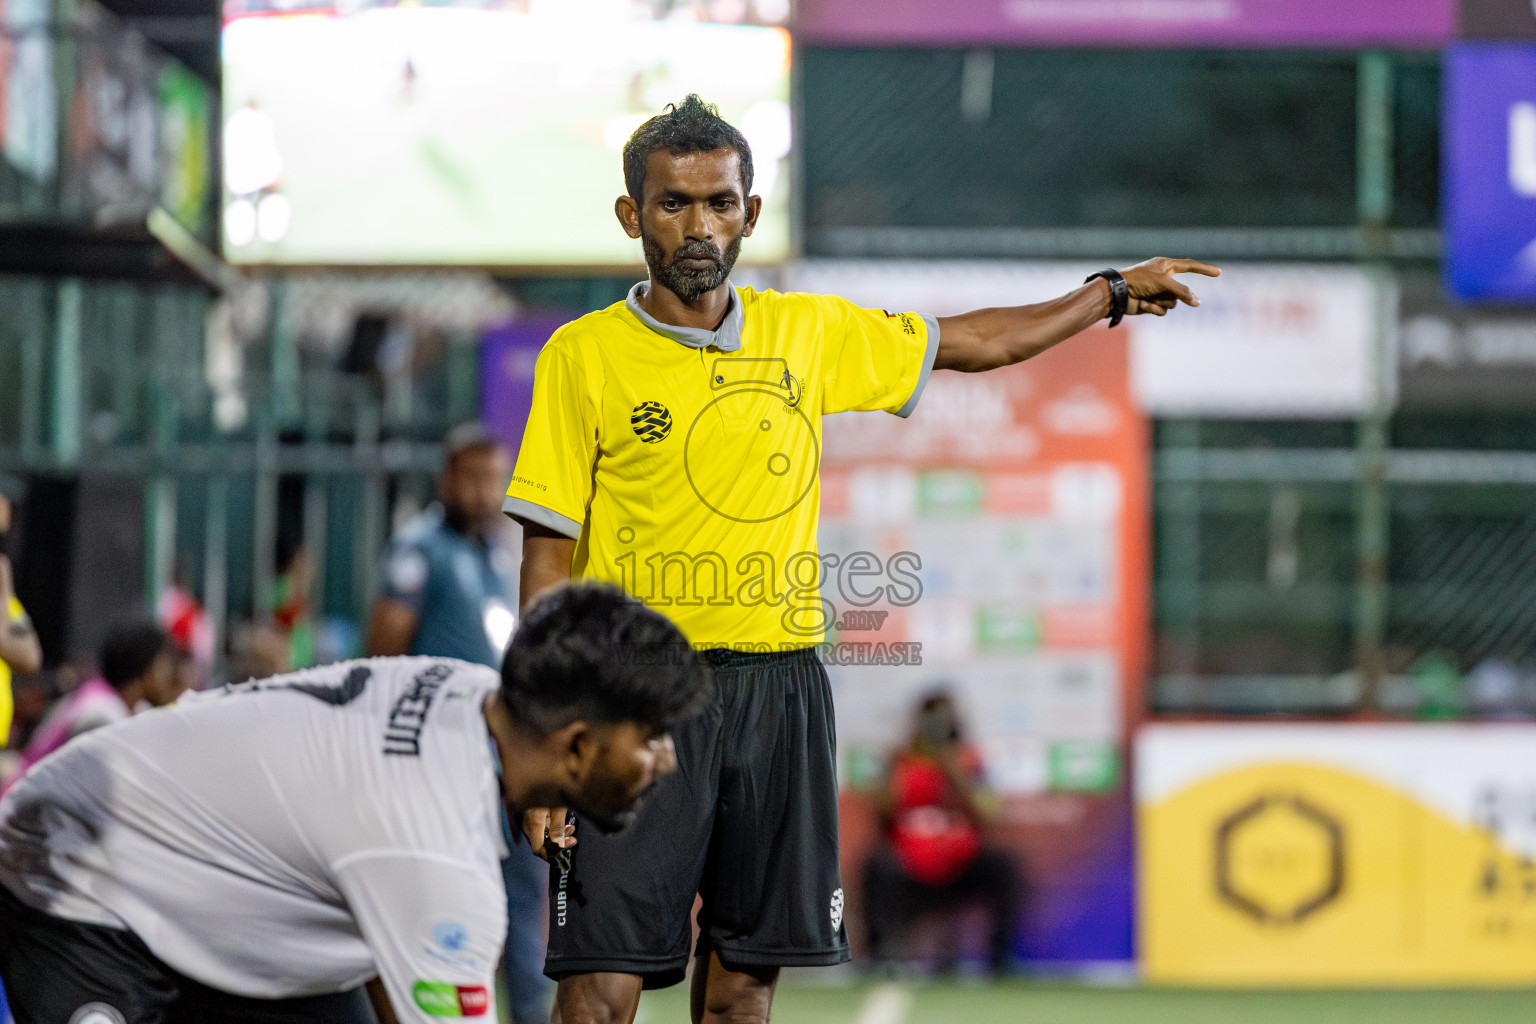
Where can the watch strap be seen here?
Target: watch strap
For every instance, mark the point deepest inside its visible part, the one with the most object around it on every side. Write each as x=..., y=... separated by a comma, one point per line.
x=1119, y=293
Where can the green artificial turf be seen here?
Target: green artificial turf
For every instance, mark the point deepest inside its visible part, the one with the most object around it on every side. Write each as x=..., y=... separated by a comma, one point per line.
x=1040, y=1003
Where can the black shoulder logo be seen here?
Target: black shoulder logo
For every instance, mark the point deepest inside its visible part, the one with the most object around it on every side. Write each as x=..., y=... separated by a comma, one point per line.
x=351, y=688
x=651, y=421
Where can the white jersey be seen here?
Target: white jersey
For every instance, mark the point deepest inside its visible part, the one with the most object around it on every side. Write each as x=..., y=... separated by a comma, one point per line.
x=290, y=836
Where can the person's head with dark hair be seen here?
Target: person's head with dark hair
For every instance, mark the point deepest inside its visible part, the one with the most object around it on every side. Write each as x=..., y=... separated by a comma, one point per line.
x=688, y=176
x=476, y=471
x=139, y=660
x=592, y=685
x=937, y=722
x=691, y=126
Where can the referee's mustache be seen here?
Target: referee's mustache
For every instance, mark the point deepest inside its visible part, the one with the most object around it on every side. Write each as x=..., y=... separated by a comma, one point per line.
x=699, y=250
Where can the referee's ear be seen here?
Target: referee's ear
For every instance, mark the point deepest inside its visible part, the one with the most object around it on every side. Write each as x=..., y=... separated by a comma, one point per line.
x=754, y=207
x=628, y=211
x=576, y=749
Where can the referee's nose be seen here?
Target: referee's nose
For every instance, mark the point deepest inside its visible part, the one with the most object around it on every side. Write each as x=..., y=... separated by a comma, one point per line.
x=696, y=227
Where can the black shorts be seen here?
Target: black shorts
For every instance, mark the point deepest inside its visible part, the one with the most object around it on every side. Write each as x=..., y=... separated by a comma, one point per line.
x=748, y=822
x=63, y=972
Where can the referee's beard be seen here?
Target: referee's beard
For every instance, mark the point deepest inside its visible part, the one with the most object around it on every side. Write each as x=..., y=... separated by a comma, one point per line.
x=688, y=283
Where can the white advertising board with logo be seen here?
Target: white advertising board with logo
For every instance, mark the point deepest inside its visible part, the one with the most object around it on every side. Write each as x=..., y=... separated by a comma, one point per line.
x=1268, y=340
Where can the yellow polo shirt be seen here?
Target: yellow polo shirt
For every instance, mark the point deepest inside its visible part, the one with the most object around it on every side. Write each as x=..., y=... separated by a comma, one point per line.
x=685, y=463
x=14, y=613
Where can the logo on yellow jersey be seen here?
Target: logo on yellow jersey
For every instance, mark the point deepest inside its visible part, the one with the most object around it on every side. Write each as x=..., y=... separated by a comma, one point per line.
x=651, y=421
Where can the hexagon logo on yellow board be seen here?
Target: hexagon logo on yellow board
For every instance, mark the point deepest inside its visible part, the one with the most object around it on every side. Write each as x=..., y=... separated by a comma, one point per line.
x=1279, y=859
x=1287, y=873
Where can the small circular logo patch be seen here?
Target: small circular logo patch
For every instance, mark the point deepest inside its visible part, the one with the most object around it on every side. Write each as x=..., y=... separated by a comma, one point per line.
x=96, y=1013
x=651, y=421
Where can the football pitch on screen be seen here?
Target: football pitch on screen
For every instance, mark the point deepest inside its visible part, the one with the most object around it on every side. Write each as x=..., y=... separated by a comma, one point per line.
x=412, y=135
x=1019, y=1002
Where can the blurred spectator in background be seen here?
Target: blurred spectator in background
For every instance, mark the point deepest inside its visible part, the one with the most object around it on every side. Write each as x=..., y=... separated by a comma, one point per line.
x=932, y=806
x=291, y=612
x=184, y=617
x=140, y=668
x=447, y=589
x=447, y=580
x=19, y=647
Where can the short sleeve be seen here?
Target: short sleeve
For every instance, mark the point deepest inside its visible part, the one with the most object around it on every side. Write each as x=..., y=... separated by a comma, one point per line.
x=435, y=927
x=552, y=481
x=403, y=574
x=874, y=359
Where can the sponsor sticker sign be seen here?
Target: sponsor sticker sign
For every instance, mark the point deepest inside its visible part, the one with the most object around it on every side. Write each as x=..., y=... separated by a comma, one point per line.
x=1337, y=854
x=445, y=999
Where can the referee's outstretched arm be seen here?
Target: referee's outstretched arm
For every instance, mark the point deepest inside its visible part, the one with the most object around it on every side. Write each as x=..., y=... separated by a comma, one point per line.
x=986, y=339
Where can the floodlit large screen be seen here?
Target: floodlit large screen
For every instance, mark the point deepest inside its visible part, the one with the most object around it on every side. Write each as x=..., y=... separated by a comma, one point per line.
x=489, y=136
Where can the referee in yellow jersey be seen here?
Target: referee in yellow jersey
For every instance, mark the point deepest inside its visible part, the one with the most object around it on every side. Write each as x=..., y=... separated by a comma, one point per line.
x=672, y=449
x=19, y=648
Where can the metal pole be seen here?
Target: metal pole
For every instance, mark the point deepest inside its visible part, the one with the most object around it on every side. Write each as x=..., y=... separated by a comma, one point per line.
x=370, y=529
x=160, y=496
x=1374, y=173
x=216, y=560
x=34, y=362
x=1180, y=555
x=1373, y=139
x=316, y=514
x=65, y=418
x=264, y=519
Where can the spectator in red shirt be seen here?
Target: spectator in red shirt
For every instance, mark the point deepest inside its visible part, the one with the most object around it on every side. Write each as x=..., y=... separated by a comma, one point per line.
x=933, y=805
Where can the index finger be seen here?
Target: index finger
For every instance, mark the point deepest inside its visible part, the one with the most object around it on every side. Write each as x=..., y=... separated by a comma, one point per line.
x=561, y=833
x=1193, y=267
x=535, y=824
x=1180, y=292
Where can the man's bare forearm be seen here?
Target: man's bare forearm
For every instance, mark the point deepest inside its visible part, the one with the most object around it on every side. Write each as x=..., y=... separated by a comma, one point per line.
x=546, y=560
x=989, y=338
x=19, y=648
x=985, y=339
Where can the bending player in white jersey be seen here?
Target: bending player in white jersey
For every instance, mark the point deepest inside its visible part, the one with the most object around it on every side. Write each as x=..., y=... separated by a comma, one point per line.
x=260, y=852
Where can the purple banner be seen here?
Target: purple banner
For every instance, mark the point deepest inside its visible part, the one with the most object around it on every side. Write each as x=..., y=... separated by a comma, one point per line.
x=1489, y=179
x=507, y=355
x=1131, y=23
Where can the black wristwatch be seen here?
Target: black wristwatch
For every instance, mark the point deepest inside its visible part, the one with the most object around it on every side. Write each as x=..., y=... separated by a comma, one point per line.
x=1119, y=294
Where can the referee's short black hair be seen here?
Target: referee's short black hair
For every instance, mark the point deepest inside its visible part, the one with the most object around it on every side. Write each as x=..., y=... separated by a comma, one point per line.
x=131, y=646
x=691, y=126
x=587, y=651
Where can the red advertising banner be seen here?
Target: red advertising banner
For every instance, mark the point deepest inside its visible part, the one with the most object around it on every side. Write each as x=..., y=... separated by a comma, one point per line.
x=1017, y=500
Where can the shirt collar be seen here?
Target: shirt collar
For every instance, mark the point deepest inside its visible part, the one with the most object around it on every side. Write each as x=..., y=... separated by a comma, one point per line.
x=727, y=338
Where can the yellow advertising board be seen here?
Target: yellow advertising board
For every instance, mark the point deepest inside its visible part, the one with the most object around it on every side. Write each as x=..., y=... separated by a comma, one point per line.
x=1337, y=854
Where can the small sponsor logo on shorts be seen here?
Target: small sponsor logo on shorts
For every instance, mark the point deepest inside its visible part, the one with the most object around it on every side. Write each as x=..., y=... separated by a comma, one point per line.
x=451, y=935
x=444, y=999
x=837, y=909
x=450, y=945
x=97, y=1013
x=562, y=890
